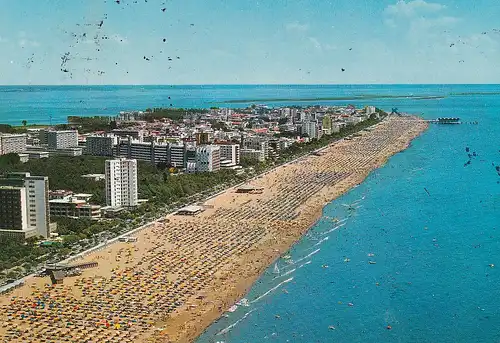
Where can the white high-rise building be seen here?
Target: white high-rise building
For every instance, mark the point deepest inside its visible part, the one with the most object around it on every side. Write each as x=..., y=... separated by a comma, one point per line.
x=257, y=143
x=13, y=213
x=121, y=183
x=12, y=143
x=176, y=155
x=62, y=139
x=207, y=158
x=305, y=116
x=370, y=110
x=311, y=128
x=230, y=152
x=36, y=200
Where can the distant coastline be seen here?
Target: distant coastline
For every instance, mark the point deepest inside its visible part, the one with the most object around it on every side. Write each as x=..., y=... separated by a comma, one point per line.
x=43, y=104
x=347, y=98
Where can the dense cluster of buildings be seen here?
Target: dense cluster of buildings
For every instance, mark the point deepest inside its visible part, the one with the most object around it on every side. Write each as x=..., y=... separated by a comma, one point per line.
x=193, y=145
x=27, y=203
x=24, y=205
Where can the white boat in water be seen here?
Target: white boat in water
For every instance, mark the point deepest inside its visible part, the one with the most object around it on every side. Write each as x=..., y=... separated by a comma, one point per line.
x=243, y=302
x=276, y=269
x=233, y=308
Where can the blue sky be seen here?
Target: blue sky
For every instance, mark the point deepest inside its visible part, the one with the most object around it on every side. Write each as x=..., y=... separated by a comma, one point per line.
x=249, y=41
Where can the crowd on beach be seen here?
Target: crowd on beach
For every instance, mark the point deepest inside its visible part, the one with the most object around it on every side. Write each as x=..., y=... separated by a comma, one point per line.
x=177, y=269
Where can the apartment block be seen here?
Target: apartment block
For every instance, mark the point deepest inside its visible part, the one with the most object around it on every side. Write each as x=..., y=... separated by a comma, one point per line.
x=10, y=143
x=36, y=189
x=13, y=213
x=207, y=158
x=230, y=152
x=252, y=154
x=121, y=183
x=62, y=139
x=257, y=143
x=176, y=155
x=311, y=129
x=75, y=206
x=101, y=145
x=150, y=152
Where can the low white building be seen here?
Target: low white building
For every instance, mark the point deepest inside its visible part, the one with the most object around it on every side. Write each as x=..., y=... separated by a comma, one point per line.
x=10, y=143
x=253, y=154
x=75, y=206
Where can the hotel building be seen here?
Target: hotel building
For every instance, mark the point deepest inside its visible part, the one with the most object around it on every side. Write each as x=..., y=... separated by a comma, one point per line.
x=121, y=183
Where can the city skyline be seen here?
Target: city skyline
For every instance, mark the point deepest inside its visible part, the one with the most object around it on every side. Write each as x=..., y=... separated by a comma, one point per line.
x=191, y=42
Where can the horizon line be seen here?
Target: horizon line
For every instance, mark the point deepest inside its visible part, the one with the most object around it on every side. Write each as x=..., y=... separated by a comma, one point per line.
x=251, y=84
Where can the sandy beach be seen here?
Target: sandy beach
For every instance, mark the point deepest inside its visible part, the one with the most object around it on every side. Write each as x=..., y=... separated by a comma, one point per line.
x=183, y=273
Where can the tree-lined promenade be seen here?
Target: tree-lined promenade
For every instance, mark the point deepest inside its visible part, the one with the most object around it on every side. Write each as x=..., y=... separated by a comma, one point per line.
x=165, y=191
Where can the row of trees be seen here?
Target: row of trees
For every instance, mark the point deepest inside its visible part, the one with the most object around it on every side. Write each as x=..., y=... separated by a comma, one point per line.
x=297, y=149
x=6, y=128
x=156, y=183
x=175, y=114
x=14, y=253
x=63, y=172
x=88, y=124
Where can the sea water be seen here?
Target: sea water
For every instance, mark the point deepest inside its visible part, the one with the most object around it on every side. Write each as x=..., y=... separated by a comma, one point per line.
x=53, y=104
x=430, y=224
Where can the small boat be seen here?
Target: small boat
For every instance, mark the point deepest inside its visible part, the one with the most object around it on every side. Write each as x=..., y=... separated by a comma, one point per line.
x=372, y=262
x=276, y=269
x=233, y=308
x=347, y=260
x=243, y=302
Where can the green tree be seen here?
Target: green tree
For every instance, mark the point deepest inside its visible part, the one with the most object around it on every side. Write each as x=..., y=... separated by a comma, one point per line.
x=25, y=122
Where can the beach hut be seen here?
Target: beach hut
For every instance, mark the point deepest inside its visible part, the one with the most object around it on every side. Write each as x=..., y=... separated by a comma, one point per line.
x=191, y=210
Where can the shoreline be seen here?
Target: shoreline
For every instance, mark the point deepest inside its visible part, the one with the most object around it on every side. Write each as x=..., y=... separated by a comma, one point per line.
x=185, y=273
x=314, y=217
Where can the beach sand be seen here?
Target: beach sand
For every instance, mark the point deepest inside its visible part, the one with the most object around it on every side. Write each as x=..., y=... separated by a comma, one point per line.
x=184, y=272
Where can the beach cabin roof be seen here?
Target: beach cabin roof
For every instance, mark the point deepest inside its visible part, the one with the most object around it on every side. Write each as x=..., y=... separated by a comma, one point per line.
x=190, y=210
x=248, y=188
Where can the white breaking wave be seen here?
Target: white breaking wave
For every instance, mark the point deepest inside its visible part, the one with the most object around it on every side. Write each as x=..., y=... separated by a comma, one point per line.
x=307, y=256
x=331, y=230
x=273, y=289
x=321, y=241
x=223, y=331
x=285, y=274
x=302, y=265
x=243, y=302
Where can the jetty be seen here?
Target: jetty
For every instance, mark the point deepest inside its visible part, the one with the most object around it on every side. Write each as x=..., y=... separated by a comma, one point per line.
x=445, y=120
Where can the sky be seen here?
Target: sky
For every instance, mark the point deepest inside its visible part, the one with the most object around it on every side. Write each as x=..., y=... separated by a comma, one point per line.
x=65, y=42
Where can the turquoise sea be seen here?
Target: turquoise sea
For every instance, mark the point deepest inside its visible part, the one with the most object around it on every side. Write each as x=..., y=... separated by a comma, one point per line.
x=429, y=221
x=433, y=227
x=53, y=104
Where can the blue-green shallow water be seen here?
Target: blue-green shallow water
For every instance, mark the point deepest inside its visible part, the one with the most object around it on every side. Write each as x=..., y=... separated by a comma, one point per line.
x=42, y=104
x=432, y=250
x=435, y=284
